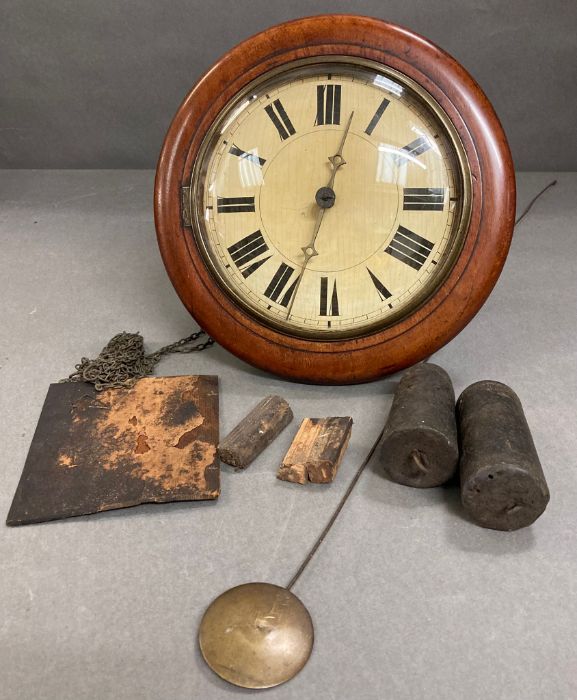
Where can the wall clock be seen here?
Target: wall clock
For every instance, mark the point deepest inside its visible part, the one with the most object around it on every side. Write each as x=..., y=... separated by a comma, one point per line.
x=335, y=199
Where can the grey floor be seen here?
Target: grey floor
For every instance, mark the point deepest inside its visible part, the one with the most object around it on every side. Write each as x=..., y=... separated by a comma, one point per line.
x=409, y=599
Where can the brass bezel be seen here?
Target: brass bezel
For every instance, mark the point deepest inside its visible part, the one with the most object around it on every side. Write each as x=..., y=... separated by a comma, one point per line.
x=455, y=245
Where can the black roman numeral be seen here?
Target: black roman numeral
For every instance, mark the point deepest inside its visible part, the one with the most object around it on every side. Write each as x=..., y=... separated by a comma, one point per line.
x=423, y=198
x=280, y=119
x=328, y=104
x=246, y=250
x=251, y=157
x=377, y=116
x=278, y=284
x=328, y=308
x=417, y=147
x=382, y=291
x=409, y=248
x=227, y=205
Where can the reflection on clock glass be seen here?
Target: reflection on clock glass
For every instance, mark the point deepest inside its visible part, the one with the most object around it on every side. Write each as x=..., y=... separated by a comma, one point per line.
x=331, y=199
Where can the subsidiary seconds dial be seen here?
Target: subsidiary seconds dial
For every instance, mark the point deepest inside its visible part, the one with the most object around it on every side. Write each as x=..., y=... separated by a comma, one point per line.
x=330, y=198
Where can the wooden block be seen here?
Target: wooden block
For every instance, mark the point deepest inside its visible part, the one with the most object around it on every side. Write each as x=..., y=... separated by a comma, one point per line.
x=255, y=432
x=155, y=442
x=317, y=450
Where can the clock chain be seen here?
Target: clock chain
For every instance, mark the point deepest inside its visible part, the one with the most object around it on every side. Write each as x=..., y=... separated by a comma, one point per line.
x=123, y=361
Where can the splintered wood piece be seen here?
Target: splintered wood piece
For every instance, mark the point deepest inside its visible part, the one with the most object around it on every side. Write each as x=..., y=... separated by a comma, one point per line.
x=255, y=432
x=316, y=451
x=155, y=442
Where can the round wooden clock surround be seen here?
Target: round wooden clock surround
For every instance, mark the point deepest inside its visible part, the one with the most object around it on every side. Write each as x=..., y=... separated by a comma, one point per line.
x=471, y=267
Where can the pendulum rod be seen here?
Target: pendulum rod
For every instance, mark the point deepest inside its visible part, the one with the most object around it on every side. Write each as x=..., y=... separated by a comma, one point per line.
x=335, y=515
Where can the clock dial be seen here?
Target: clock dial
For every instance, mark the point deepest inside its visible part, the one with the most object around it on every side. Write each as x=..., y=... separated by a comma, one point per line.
x=331, y=199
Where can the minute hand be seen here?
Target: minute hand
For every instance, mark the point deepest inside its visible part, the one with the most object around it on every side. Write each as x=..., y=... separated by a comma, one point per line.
x=337, y=160
x=309, y=250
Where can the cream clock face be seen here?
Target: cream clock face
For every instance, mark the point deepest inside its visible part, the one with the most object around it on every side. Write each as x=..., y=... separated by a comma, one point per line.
x=331, y=199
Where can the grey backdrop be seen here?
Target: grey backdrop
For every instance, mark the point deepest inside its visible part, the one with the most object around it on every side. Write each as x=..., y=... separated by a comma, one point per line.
x=94, y=84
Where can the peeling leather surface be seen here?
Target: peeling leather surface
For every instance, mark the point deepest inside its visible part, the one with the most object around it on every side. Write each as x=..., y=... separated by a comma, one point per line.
x=155, y=442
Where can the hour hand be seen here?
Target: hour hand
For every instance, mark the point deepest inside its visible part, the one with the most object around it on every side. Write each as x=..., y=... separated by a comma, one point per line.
x=309, y=251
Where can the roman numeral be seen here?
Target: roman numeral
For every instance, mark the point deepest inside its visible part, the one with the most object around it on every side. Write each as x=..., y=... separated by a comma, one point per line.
x=328, y=308
x=423, y=198
x=251, y=157
x=280, y=119
x=409, y=248
x=246, y=250
x=382, y=291
x=226, y=205
x=328, y=104
x=417, y=147
x=377, y=116
x=278, y=284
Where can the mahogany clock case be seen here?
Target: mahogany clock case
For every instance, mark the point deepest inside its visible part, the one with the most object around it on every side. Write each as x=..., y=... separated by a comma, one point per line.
x=485, y=244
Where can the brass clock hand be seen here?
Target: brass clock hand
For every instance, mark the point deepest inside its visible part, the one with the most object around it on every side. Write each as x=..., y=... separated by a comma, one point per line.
x=337, y=160
x=325, y=198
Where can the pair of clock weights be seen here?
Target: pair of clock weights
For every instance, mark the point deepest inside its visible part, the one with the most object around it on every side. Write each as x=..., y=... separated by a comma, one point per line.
x=334, y=201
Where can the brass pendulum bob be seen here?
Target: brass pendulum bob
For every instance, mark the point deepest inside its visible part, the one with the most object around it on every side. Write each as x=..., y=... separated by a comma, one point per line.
x=258, y=635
